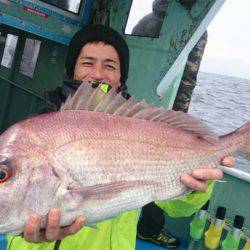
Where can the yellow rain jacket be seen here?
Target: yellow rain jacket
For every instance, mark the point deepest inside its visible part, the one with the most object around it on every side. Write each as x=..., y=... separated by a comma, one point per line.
x=118, y=233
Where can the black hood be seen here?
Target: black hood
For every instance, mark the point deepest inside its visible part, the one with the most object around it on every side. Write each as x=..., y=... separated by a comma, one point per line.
x=96, y=33
x=160, y=7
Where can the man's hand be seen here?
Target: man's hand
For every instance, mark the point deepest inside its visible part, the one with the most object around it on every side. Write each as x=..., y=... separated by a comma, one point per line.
x=197, y=180
x=33, y=233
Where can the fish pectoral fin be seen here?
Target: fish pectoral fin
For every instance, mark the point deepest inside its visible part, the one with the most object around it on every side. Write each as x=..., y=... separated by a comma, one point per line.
x=103, y=190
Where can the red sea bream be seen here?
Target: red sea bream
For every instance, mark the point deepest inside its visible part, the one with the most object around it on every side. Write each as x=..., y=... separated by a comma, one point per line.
x=111, y=156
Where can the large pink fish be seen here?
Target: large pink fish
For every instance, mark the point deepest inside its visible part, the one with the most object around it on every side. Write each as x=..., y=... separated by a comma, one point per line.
x=100, y=163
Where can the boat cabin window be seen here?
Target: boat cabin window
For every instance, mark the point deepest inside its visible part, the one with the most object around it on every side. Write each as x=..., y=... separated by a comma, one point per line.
x=146, y=18
x=9, y=50
x=69, y=5
x=29, y=57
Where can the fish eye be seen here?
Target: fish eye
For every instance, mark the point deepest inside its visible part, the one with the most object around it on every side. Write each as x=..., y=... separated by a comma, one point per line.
x=4, y=173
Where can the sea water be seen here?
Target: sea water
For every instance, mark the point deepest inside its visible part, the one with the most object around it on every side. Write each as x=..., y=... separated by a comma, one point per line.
x=223, y=103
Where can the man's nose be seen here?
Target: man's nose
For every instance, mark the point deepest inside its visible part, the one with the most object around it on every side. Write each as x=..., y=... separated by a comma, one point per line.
x=98, y=73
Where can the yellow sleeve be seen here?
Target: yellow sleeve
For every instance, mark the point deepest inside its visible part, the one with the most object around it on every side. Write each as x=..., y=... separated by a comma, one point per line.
x=187, y=205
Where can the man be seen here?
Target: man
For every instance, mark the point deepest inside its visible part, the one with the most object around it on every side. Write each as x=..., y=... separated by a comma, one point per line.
x=152, y=221
x=150, y=25
x=95, y=53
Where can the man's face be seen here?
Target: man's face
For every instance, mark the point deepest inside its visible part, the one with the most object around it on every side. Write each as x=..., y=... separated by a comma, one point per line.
x=98, y=61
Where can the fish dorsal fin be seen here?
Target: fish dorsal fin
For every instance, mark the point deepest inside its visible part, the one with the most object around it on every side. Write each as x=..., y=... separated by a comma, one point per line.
x=79, y=100
x=109, y=102
x=135, y=109
x=88, y=98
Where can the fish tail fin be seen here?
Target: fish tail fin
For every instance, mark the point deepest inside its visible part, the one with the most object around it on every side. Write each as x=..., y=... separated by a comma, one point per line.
x=240, y=139
x=245, y=130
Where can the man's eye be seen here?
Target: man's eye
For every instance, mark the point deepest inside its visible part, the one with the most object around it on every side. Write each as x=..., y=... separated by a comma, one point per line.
x=87, y=64
x=110, y=67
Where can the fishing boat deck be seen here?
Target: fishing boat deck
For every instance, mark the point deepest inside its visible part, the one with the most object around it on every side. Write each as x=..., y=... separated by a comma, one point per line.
x=142, y=245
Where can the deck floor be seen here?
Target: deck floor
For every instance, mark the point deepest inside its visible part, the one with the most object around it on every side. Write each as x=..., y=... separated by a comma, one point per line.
x=143, y=245
x=140, y=245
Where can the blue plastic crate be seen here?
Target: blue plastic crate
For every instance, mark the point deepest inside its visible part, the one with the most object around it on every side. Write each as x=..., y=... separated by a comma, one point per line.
x=3, y=242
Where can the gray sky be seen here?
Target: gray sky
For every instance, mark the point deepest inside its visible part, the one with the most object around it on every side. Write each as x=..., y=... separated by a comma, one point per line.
x=228, y=47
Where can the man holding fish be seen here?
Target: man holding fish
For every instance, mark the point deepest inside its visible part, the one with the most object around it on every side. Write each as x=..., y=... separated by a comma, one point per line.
x=99, y=54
